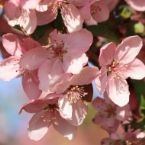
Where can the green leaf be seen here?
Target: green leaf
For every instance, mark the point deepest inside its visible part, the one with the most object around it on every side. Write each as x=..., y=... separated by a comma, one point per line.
x=105, y=30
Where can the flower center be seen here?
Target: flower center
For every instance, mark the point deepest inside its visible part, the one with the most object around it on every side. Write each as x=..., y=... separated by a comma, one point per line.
x=76, y=94
x=111, y=68
x=51, y=107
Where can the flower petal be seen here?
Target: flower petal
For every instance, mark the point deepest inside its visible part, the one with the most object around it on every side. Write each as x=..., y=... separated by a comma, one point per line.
x=136, y=70
x=35, y=106
x=74, y=64
x=38, y=125
x=65, y=108
x=28, y=21
x=33, y=58
x=118, y=91
x=78, y=42
x=99, y=11
x=46, y=17
x=86, y=76
x=71, y=17
x=65, y=128
x=50, y=73
x=79, y=113
x=138, y=5
x=107, y=54
x=74, y=113
x=10, y=68
x=30, y=84
x=12, y=44
x=128, y=49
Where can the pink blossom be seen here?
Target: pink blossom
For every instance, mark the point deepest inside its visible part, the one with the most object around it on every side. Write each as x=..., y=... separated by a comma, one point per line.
x=24, y=14
x=69, y=49
x=109, y=116
x=138, y=5
x=117, y=64
x=10, y=67
x=95, y=11
x=46, y=115
x=72, y=104
x=30, y=83
x=70, y=14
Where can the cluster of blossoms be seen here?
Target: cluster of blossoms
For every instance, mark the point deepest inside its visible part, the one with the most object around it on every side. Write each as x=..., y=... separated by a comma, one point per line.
x=56, y=75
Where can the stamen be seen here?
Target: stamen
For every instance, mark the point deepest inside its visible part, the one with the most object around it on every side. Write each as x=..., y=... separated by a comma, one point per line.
x=75, y=94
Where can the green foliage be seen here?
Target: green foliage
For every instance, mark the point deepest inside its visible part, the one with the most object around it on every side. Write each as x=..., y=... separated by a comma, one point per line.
x=140, y=91
x=105, y=29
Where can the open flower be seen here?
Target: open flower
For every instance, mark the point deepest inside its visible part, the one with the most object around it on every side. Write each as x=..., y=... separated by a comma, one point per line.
x=73, y=101
x=117, y=64
x=11, y=68
x=109, y=116
x=95, y=11
x=26, y=14
x=46, y=115
x=69, y=49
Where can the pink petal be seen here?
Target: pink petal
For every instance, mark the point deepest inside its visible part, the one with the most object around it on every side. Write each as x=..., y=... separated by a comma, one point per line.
x=86, y=76
x=65, y=108
x=118, y=91
x=33, y=58
x=12, y=44
x=29, y=43
x=11, y=9
x=30, y=84
x=99, y=11
x=50, y=73
x=101, y=80
x=63, y=84
x=35, y=106
x=71, y=17
x=79, y=113
x=10, y=68
x=74, y=113
x=110, y=124
x=107, y=54
x=78, y=42
x=138, y=5
x=128, y=49
x=136, y=70
x=38, y=125
x=63, y=127
x=74, y=65
x=86, y=14
x=46, y=17
x=28, y=22
x=29, y=4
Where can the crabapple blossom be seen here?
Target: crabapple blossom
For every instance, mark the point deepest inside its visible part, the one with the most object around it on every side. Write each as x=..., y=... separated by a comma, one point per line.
x=11, y=68
x=24, y=14
x=46, y=115
x=95, y=11
x=16, y=47
x=117, y=64
x=109, y=115
x=68, y=108
x=54, y=64
x=72, y=103
x=69, y=49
